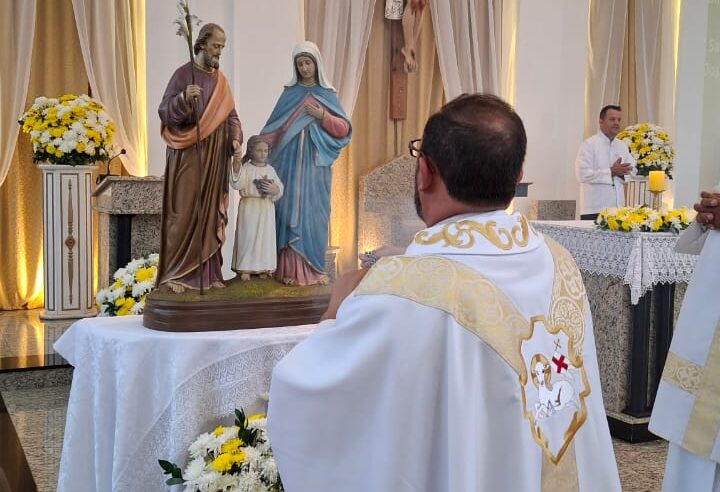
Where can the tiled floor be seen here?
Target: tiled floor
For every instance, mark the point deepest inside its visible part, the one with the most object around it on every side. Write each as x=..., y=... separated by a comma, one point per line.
x=38, y=415
x=34, y=385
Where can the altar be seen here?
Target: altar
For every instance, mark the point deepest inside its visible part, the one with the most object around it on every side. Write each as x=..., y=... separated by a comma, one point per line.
x=140, y=395
x=635, y=283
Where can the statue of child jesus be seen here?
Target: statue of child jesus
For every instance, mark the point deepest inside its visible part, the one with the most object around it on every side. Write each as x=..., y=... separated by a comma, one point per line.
x=255, y=251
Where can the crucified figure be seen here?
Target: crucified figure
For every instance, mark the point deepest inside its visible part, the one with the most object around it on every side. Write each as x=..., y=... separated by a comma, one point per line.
x=411, y=22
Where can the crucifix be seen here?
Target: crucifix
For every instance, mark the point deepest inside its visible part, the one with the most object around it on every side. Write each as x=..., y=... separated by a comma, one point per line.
x=403, y=46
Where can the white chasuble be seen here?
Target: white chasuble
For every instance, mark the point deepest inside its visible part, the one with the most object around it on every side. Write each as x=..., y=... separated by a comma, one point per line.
x=687, y=407
x=468, y=364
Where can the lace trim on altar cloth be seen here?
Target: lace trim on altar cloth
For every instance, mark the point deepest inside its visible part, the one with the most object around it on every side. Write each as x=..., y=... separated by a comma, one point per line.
x=641, y=259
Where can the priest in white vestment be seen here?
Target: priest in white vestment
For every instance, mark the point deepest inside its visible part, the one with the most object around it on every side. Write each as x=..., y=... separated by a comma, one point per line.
x=466, y=364
x=687, y=407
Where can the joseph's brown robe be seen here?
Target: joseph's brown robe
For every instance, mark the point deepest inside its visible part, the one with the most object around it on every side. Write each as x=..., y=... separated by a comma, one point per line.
x=219, y=126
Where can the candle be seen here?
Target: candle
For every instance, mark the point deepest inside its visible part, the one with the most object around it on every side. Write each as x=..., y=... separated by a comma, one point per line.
x=656, y=181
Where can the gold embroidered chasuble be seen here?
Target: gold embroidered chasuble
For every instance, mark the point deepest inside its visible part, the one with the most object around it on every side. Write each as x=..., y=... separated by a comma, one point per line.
x=536, y=348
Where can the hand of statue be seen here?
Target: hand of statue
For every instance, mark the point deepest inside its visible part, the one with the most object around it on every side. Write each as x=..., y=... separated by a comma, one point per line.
x=620, y=168
x=315, y=110
x=708, y=209
x=343, y=287
x=269, y=187
x=192, y=92
x=237, y=149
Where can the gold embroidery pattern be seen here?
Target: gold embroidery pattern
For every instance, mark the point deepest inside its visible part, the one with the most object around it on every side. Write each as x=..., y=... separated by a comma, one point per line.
x=567, y=309
x=462, y=235
x=561, y=477
x=681, y=373
x=704, y=422
x=460, y=291
x=580, y=415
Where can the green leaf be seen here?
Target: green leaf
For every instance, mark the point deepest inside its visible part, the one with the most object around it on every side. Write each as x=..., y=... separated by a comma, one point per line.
x=167, y=466
x=171, y=469
x=175, y=481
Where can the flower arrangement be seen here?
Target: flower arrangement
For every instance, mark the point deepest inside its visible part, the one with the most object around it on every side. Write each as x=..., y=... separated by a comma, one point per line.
x=126, y=295
x=651, y=147
x=235, y=458
x=643, y=219
x=71, y=130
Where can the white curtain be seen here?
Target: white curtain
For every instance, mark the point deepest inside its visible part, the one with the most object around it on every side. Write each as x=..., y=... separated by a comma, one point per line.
x=474, y=40
x=341, y=29
x=648, y=22
x=606, y=36
x=114, y=56
x=17, y=28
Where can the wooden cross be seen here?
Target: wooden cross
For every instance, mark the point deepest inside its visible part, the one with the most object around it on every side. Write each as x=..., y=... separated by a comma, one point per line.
x=398, y=76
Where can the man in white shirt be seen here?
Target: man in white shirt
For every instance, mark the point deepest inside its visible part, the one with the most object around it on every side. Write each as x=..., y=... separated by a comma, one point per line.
x=601, y=165
x=468, y=363
x=687, y=406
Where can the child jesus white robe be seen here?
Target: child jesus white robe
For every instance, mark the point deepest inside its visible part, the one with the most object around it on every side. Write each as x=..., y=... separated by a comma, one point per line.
x=468, y=364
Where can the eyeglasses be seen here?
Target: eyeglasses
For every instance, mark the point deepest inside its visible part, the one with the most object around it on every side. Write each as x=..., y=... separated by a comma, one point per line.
x=414, y=147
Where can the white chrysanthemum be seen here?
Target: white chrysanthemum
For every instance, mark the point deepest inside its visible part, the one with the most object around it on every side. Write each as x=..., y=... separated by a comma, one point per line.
x=134, y=265
x=67, y=146
x=127, y=279
x=45, y=137
x=138, y=307
x=252, y=455
x=257, y=424
x=269, y=470
x=199, y=448
x=103, y=310
x=102, y=296
x=206, y=482
x=57, y=142
x=119, y=273
x=194, y=469
x=250, y=482
x=141, y=288
x=116, y=294
x=154, y=259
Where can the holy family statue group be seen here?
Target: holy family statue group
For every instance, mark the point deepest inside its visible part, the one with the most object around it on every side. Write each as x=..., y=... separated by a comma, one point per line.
x=283, y=179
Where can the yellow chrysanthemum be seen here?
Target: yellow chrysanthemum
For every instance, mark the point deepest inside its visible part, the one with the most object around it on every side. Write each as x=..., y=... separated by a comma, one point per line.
x=231, y=446
x=126, y=307
x=225, y=461
x=144, y=274
x=218, y=430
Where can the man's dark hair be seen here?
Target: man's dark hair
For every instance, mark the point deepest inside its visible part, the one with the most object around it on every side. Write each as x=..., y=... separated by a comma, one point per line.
x=477, y=144
x=205, y=32
x=605, y=109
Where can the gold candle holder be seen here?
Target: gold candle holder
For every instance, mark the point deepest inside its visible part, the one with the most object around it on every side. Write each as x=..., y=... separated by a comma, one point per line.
x=656, y=200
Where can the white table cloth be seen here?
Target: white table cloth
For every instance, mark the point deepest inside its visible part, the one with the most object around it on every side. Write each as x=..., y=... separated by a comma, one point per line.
x=641, y=259
x=140, y=395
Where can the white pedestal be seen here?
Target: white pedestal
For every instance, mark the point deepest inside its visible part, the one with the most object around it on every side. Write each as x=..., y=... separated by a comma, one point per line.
x=67, y=241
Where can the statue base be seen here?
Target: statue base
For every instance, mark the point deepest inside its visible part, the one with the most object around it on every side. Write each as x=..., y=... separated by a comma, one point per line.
x=261, y=303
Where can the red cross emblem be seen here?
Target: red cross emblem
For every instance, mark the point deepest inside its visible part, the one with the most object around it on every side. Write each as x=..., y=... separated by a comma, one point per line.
x=560, y=363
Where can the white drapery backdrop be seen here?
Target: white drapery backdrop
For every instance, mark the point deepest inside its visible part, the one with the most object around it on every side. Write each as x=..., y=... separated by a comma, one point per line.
x=606, y=35
x=17, y=29
x=112, y=42
x=648, y=28
x=341, y=29
x=475, y=43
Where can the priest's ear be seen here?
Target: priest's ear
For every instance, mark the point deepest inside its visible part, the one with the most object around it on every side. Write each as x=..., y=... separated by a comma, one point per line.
x=426, y=173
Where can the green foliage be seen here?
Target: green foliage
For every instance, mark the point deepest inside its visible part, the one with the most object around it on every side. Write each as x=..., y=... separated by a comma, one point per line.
x=175, y=473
